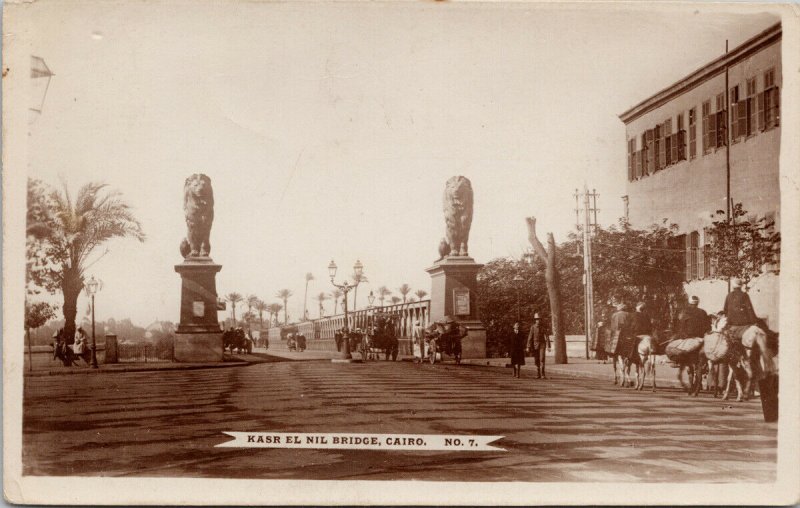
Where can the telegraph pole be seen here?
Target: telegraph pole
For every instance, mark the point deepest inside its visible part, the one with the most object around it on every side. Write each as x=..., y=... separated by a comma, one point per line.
x=588, y=227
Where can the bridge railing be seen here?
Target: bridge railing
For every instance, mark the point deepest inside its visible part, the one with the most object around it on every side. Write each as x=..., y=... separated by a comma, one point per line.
x=320, y=332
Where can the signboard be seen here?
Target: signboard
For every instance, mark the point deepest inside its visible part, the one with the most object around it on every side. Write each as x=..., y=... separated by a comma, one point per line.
x=199, y=308
x=461, y=302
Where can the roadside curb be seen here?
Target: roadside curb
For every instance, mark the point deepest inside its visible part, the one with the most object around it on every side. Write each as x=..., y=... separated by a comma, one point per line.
x=90, y=371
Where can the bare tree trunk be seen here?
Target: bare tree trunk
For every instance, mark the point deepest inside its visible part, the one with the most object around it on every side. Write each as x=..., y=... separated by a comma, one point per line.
x=552, y=278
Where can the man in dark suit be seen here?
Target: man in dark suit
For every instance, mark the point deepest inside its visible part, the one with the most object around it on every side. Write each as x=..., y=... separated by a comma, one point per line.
x=693, y=321
x=538, y=340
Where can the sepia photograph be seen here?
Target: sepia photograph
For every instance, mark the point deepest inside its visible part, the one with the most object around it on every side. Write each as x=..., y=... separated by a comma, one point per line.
x=505, y=253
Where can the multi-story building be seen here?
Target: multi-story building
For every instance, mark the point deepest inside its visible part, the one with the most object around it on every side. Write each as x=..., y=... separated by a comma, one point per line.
x=682, y=155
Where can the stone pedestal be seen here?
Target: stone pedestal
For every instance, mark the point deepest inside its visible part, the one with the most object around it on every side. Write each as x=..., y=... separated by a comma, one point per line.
x=199, y=336
x=454, y=293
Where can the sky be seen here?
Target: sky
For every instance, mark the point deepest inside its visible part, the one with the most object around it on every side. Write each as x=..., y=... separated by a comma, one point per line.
x=329, y=130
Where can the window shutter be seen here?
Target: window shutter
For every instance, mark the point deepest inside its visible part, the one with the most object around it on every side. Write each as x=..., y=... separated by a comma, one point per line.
x=741, y=113
x=662, y=151
x=693, y=141
x=640, y=162
x=668, y=150
x=712, y=131
x=681, y=138
x=687, y=246
x=760, y=101
x=751, y=116
x=651, y=155
x=705, y=132
x=734, y=122
x=776, y=100
x=722, y=135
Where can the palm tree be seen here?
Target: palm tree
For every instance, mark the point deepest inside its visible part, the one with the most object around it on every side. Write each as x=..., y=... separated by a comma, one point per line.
x=274, y=309
x=260, y=306
x=383, y=292
x=396, y=300
x=336, y=294
x=72, y=232
x=251, y=302
x=234, y=298
x=309, y=278
x=285, y=294
x=321, y=298
x=357, y=279
x=421, y=294
x=404, y=290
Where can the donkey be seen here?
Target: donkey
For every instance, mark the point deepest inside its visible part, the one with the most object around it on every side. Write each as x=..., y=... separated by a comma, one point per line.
x=646, y=352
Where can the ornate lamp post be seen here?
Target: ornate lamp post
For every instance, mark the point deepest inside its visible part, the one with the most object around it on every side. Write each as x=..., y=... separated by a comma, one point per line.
x=518, y=280
x=91, y=288
x=371, y=298
x=345, y=287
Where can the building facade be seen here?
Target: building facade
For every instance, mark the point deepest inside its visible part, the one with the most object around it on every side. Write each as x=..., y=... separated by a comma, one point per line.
x=686, y=142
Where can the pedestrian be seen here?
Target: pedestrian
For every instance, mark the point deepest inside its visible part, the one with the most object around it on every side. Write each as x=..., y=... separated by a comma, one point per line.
x=80, y=342
x=641, y=321
x=603, y=331
x=516, y=349
x=418, y=337
x=539, y=344
x=693, y=321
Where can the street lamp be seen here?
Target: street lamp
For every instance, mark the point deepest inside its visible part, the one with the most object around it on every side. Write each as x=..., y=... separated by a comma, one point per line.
x=346, y=287
x=91, y=288
x=371, y=298
x=518, y=283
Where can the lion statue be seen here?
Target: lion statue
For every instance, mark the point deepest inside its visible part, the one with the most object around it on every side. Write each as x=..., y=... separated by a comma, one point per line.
x=198, y=207
x=457, y=214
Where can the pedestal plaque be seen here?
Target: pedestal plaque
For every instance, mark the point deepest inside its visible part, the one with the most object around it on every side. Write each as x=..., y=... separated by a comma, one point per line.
x=199, y=336
x=454, y=283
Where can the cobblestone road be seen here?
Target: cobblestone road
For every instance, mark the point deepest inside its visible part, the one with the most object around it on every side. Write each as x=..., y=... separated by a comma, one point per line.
x=561, y=429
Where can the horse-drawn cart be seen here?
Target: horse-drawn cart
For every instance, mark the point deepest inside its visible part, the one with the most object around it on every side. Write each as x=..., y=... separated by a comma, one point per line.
x=444, y=337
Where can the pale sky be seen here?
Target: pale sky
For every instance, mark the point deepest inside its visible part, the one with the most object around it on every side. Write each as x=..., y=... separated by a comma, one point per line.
x=329, y=130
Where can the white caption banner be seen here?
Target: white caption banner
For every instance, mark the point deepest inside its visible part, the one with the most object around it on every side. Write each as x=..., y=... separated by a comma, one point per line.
x=346, y=441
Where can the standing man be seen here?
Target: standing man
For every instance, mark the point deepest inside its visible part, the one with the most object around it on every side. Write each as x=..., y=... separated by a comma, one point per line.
x=603, y=331
x=621, y=326
x=516, y=349
x=693, y=321
x=538, y=344
x=418, y=337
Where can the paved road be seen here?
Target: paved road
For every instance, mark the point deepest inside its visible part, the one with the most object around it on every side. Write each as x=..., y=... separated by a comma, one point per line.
x=561, y=429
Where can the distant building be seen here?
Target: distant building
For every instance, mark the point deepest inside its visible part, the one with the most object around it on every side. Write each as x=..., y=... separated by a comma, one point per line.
x=678, y=146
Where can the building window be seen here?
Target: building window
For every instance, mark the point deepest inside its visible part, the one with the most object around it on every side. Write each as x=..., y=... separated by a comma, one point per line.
x=707, y=126
x=769, y=103
x=668, y=159
x=631, y=158
x=651, y=153
x=734, y=102
x=658, y=134
x=692, y=258
x=719, y=133
x=693, y=133
x=708, y=267
x=751, y=107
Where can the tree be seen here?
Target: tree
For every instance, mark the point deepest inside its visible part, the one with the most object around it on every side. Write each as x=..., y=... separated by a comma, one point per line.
x=260, y=306
x=336, y=294
x=234, y=298
x=421, y=294
x=36, y=315
x=321, y=297
x=252, y=300
x=383, y=292
x=63, y=235
x=357, y=279
x=553, y=288
x=396, y=300
x=309, y=278
x=284, y=294
x=274, y=309
x=631, y=265
x=404, y=290
x=743, y=246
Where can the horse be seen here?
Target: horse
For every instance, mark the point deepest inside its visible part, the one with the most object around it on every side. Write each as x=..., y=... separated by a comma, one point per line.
x=646, y=351
x=68, y=356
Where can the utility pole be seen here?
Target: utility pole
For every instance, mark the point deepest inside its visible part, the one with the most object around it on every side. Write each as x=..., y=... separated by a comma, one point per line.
x=589, y=228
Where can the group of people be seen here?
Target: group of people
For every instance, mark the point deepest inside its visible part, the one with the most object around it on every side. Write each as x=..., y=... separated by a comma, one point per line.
x=692, y=321
x=536, y=343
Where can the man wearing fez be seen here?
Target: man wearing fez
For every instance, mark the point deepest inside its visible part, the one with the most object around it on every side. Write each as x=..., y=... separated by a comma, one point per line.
x=739, y=309
x=538, y=340
x=693, y=321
